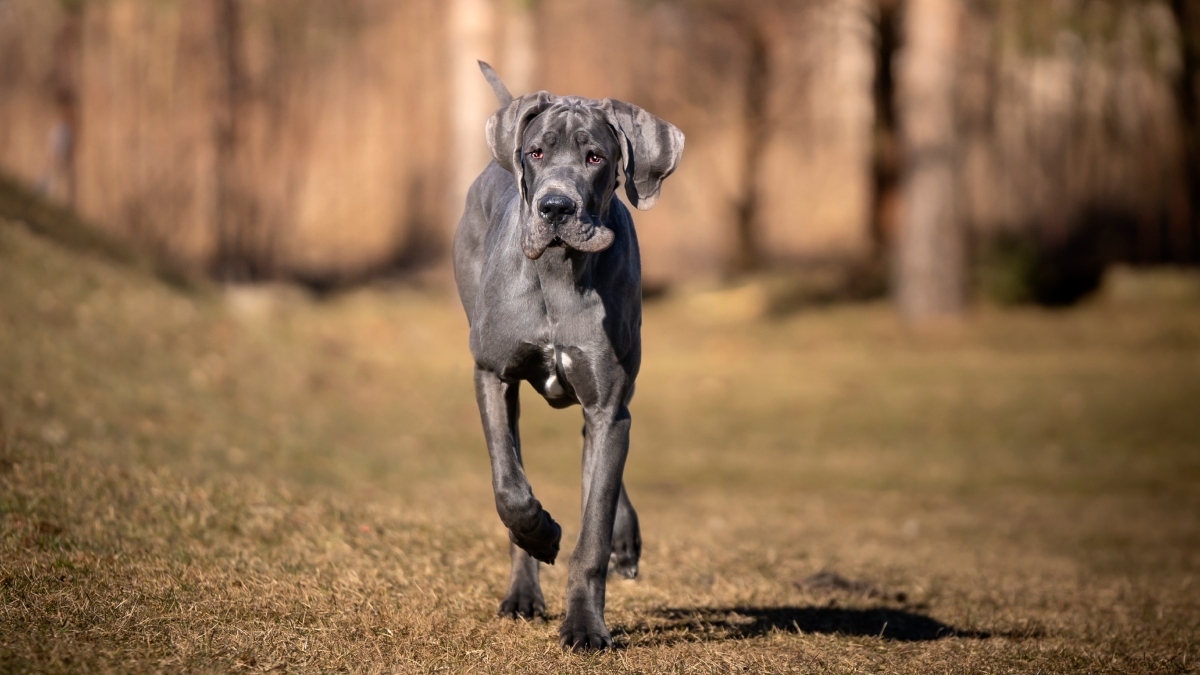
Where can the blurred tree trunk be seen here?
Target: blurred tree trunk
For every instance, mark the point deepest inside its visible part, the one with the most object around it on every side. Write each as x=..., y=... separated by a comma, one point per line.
x=471, y=25
x=60, y=177
x=747, y=256
x=1187, y=14
x=930, y=270
x=885, y=170
x=750, y=21
x=519, y=60
x=231, y=261
x=758, y=25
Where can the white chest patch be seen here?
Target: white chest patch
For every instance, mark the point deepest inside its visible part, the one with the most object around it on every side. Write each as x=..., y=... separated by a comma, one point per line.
x=553, y=387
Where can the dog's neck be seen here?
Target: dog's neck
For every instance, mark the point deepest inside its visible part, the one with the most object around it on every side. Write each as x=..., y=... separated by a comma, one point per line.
x=562, y=266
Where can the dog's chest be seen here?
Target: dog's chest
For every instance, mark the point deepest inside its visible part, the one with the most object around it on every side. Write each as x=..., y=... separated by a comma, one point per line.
x=542, y=337
x=530, y=313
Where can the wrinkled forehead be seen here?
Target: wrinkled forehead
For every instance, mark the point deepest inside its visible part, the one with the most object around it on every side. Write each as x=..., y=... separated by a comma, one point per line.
x=572, y=120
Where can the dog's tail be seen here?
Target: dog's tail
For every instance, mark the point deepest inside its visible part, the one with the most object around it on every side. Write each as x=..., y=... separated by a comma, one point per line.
x=501, y=91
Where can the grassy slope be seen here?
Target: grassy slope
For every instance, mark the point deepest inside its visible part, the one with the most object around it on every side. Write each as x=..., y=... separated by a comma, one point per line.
x=260, y=481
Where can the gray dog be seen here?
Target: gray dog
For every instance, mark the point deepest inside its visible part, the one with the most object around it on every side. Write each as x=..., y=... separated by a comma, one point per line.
x=549, y=274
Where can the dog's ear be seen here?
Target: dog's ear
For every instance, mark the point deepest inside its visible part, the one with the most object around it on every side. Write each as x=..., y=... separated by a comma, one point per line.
x=506, y=127
x=651, y=149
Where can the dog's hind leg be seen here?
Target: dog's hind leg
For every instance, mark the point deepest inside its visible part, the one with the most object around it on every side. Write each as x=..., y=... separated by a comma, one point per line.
x=529, y=525
x=626, y=539
x=627, y=535
x=524, y=598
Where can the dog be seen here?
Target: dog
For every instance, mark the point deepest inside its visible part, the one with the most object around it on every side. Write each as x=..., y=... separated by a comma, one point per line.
x=548, y=270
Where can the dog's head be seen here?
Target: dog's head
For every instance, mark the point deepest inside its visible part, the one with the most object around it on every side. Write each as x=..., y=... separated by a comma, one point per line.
x=564, y=153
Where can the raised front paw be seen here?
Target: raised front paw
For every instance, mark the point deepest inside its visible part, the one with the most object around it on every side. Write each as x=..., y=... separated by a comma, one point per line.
x=542, y=541
x=584, y=631
x=523, y=602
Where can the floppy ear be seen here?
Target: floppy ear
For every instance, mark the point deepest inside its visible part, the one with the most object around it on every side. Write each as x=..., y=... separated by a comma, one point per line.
x=651, y=149
x=506, y=127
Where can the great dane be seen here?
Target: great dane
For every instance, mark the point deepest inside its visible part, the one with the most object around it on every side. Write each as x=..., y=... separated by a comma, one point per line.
x=548, y=270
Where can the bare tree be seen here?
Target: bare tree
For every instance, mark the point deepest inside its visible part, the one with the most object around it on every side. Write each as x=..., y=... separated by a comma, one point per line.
x=748, y=256
x=885, y=169
x=1187, y=14
x=756, y=26
x=930, y=266
x=231, y=260
x=471, y=25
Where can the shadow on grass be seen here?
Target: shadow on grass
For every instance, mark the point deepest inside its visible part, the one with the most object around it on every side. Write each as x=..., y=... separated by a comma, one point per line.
x=738, y=623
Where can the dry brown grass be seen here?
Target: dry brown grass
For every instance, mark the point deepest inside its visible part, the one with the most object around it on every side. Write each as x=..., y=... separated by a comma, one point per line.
x=261, y=481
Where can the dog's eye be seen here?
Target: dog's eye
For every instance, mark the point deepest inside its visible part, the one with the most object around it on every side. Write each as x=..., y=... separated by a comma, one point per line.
x=593, y=158
x=535, y=154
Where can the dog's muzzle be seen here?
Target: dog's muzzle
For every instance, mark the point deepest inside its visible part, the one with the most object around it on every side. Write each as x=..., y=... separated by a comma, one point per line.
x=559, y=221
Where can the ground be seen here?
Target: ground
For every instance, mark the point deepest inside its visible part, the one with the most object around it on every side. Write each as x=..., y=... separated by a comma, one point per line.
x=255, y=480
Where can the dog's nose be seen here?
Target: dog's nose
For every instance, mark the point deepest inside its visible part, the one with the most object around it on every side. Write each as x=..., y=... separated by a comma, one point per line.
x=555, y=209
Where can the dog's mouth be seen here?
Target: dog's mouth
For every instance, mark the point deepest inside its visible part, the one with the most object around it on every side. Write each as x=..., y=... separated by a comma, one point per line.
x=584, y=234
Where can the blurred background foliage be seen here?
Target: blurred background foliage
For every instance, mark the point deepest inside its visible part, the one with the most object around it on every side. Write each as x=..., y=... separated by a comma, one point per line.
x=233, y=473
x=1014, y=148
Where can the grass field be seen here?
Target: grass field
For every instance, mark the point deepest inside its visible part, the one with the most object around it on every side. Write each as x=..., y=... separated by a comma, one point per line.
x=256, y=480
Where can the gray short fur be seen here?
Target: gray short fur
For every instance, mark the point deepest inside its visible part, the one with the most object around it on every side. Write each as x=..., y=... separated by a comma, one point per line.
x=548, y=271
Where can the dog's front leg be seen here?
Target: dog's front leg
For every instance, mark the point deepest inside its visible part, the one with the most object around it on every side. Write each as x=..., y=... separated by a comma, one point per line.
x=529, y=525
x=604, y=452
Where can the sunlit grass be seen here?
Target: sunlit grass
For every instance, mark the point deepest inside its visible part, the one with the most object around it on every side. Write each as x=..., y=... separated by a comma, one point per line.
x=255, y=479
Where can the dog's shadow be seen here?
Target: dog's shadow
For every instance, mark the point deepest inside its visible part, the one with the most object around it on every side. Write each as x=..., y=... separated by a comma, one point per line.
x=707, y=624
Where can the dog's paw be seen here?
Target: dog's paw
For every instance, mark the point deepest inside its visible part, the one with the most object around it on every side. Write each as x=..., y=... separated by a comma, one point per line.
x=584, y=631
x=542, y=541
x=523, y=603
